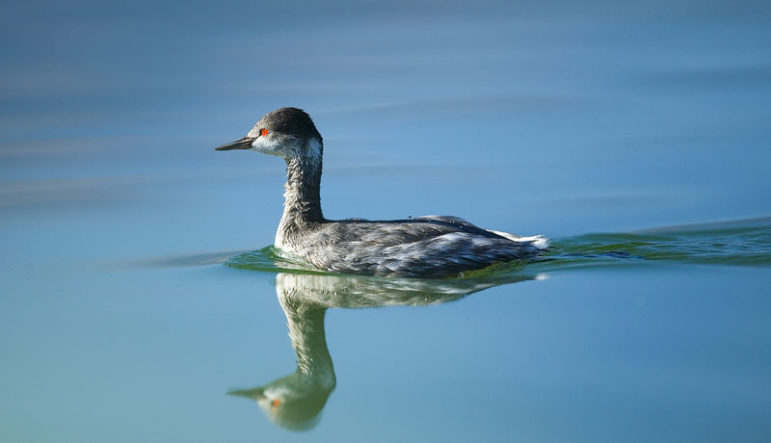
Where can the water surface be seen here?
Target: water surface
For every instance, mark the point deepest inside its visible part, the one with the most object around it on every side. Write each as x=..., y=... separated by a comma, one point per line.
x=136, y=291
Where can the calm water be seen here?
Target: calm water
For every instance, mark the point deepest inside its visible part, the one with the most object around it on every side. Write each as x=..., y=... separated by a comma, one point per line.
x=138, y=301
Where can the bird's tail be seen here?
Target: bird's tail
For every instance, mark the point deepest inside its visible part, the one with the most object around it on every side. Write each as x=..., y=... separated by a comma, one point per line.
x=537, y=241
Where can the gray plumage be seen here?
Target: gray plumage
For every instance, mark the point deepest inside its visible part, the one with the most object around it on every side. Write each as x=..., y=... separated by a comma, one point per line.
x=431, y=246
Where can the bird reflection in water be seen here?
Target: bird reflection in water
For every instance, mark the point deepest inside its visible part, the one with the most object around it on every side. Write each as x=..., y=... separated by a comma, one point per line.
x=296, y=400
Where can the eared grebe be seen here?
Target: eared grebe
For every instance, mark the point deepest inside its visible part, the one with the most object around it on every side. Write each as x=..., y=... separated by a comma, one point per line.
x=430, y=246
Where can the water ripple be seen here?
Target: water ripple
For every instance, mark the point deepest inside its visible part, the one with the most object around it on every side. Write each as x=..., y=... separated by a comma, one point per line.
x=736, y=243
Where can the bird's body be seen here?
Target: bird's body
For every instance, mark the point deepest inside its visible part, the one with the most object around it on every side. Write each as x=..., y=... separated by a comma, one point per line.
x=420, y=247
x=431, y=246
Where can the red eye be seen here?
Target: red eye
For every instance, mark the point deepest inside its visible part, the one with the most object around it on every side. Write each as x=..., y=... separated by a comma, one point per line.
x=264, y=132
x=275, y=401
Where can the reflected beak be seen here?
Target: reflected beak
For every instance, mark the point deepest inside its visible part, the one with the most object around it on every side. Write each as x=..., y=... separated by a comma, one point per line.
x=254, y=394
x=243, y=143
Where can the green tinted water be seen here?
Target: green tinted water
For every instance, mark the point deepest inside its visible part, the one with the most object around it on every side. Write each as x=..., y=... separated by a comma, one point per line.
x=740, y=243
x=296, y=401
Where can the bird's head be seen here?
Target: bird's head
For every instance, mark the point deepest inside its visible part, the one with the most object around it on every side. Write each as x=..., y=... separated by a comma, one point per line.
x=286, y=132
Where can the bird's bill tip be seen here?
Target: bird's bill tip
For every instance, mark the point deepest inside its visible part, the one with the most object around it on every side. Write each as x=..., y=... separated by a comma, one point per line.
x=254, y=393
x=242, y=143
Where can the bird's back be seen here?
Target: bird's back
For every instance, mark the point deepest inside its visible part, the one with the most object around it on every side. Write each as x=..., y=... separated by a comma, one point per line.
x=429, y=247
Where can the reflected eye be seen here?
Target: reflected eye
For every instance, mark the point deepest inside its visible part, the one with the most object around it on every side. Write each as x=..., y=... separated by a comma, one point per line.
x=264, y=132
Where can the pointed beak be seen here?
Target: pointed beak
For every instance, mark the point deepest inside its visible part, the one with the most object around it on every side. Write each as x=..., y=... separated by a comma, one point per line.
x=254, y=394
x=243, y=143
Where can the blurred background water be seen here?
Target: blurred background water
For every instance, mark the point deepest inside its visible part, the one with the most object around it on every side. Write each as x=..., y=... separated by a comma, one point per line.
x=119, y=321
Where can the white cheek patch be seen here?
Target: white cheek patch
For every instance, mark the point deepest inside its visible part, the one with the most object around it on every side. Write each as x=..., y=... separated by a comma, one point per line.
x=266, y=146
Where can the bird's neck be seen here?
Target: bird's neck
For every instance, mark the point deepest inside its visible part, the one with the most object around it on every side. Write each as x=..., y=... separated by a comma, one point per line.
x=302, y=196
x=306, y=330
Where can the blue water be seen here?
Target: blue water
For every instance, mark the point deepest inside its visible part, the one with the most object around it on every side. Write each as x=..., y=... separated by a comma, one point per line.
x=137, y=292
